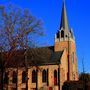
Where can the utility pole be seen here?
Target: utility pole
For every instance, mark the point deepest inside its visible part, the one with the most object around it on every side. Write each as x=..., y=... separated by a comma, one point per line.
x=83, y=65
x=84, y=81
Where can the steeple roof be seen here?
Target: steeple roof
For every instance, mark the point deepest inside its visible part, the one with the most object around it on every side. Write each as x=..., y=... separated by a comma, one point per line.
x=64, y=20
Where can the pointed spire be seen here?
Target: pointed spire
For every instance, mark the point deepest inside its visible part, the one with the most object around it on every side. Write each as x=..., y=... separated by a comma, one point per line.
x=64, y=20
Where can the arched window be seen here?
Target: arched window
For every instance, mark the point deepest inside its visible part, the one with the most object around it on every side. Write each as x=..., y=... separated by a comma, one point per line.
x=14, y=79
x=62, y=34
x=34, y=76
x=55, y=77
x=6, y=79
x=24, y=76
x=44, y=76
x=73, y=57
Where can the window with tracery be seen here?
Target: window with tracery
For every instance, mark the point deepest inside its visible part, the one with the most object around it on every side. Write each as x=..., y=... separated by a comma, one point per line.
x=62, y=34
x=44, y=76
x=24, y=76
x=6, y=78
x=14, y=79
x=34, y=76
x=55, y=77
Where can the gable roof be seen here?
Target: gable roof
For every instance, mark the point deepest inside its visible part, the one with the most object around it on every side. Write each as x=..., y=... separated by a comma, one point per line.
x=35, y=56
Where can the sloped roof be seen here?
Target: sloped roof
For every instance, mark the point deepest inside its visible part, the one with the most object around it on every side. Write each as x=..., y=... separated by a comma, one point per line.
x=35, y=56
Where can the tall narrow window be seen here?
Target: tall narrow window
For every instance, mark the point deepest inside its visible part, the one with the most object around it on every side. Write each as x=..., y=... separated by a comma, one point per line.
x=24, y=76
x=62, y=34
x=6, y=78
x=55, y=77
x=44, y=76
x=73, y=57
x=34, y=76
x=14, y=79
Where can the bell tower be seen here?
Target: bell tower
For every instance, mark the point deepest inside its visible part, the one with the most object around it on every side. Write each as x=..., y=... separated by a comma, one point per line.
x=64, y=39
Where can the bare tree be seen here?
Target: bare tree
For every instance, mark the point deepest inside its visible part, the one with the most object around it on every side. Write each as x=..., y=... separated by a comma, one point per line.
x=18, y=29
x=85, y=77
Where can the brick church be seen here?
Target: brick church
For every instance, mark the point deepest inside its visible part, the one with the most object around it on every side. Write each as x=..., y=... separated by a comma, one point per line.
x=53, y=65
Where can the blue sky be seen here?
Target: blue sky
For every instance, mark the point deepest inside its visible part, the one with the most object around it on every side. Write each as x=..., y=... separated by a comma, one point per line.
x=49, y=11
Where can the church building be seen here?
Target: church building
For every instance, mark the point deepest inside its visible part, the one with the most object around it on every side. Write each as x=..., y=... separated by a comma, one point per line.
x=52, y=65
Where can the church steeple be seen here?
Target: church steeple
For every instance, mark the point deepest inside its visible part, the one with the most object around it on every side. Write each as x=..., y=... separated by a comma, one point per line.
x=64, y=20
x=64, y=30
x=65, y=41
